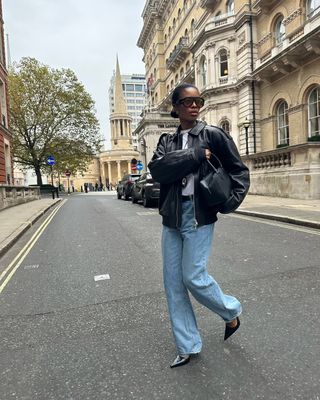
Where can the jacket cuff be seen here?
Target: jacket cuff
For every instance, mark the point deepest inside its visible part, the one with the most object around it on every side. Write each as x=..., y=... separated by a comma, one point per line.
x=200, y=154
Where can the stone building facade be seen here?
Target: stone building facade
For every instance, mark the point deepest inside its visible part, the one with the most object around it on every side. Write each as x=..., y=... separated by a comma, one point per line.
x=6, y=164
x=246, y=57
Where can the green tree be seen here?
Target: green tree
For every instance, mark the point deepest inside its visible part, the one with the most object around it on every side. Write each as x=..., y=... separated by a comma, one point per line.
x=51, y=114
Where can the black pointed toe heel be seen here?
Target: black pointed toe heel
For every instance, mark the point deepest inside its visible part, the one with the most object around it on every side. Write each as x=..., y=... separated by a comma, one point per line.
x=230, y=331
x=180, y=360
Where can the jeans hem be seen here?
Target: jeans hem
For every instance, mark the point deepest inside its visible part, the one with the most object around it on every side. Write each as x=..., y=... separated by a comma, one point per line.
x=238, y=315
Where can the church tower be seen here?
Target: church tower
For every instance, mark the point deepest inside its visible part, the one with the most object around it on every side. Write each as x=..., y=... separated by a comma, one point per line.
x=120, y=120
x=116, y=163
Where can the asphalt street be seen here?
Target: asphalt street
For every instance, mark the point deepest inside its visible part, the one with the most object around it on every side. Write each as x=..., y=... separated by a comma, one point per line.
x=66, y=334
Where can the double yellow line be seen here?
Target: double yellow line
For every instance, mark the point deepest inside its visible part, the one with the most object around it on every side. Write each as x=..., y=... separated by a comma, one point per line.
x=7, y=274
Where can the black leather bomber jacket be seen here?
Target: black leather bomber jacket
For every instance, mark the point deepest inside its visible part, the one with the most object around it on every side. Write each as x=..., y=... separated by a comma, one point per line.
x=170, y=163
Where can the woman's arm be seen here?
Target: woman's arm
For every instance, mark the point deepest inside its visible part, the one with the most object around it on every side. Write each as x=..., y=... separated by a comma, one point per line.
x=169, y=167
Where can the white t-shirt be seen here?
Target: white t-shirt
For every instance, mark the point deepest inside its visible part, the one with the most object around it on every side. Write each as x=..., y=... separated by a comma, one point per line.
x=189, y=188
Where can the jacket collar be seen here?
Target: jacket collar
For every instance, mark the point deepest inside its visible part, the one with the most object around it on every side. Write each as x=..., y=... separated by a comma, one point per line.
x=194, y=131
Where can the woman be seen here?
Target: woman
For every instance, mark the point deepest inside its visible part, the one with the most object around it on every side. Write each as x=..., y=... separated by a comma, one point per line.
x=179, y=163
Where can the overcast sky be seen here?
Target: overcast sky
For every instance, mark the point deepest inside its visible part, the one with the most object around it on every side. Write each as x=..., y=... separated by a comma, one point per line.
x=82, y=35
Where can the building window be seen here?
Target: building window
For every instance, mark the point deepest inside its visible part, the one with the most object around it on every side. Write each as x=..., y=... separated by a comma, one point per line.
x=314, y=112
x=192, y=29
x=279, y=31
x=181, y=72
x=3, y=105
x=283, y=123
x=313, y=7
x=187, y=65
x=174, y=24
x=225, y=125
x=223, y=63
x=230, y=7
x=176, y=78
x=203, y=71
x=179, y=15
x=129, y=88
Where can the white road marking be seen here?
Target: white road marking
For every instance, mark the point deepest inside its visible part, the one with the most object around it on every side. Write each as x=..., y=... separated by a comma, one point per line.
x=31, y=266
x=101, y=277
x=147, y=213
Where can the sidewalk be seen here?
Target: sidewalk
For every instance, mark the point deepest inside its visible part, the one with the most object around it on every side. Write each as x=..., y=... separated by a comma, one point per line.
x=14, y=221
x=294, y=211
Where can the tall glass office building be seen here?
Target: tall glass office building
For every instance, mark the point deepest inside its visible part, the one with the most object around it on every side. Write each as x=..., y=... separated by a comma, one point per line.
x=134, y=90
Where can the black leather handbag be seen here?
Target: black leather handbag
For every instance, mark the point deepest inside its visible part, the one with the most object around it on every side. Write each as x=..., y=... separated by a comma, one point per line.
x=216, y=187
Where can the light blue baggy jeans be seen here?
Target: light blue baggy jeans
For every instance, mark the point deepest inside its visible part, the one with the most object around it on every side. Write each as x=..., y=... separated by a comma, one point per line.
x=185, y=253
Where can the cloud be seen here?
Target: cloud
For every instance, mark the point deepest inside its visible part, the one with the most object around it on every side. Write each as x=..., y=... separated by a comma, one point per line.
x=81, y=35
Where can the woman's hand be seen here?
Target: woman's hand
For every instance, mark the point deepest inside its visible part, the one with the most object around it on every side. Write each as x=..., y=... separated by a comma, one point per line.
x=208, y=154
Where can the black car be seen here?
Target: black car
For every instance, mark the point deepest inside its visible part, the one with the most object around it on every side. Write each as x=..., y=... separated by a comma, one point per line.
x=145, y=189
x=124, y=187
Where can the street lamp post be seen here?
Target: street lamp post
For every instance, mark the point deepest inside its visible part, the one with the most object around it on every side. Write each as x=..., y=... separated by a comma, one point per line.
x=246, y=125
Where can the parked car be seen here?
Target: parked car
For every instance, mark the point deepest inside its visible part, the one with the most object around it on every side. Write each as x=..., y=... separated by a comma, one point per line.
x=145, y=189
x=124, y=187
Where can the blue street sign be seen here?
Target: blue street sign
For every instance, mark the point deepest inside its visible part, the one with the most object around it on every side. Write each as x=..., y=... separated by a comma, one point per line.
x=50, y=160
x=139, y=166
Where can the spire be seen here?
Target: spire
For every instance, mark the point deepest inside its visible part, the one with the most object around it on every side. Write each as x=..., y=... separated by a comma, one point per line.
x=119, y=103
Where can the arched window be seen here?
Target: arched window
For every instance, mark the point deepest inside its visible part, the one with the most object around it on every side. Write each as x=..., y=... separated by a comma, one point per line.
x=176, y=78
x=174, y=24
x=187, y=65
x=279, y=31
x=186, y=34
x=169, y=33
x=192, y=29
x=156, y=98
x=217, y=16
x=203, y=71
x=181, y=72
x=165, y=39
x=314, y=112
x=230, y=6
x=282, y=123
x=168, y=88
x=179, y=15
x=223, y=59
x=171, y=83
x=225, y=125
x=185, y=5
x=313, y=7
x=155, y=74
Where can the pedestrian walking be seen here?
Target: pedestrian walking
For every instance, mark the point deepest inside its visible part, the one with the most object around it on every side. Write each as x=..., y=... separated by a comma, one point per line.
x=179, y=163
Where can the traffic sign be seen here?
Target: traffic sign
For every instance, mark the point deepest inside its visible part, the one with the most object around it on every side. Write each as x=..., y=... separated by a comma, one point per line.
x=50, y=160
x=139, y=166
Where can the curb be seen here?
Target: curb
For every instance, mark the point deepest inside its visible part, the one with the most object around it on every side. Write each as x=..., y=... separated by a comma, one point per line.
x=11, y=240
x=281, y=218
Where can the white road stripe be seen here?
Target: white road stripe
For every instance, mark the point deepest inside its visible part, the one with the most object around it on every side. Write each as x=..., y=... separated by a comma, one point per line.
x=101, y=277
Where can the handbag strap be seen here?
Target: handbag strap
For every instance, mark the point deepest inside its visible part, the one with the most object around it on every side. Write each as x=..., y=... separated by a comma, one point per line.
x=213, y=167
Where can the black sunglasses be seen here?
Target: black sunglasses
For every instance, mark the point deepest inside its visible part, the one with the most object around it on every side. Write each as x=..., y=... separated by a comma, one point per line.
x=188, y=101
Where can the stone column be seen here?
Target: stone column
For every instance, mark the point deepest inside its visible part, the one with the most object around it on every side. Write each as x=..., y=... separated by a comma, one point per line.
x=119, y=171
x=103, y=173
x=129, y=167
x=109, y=172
